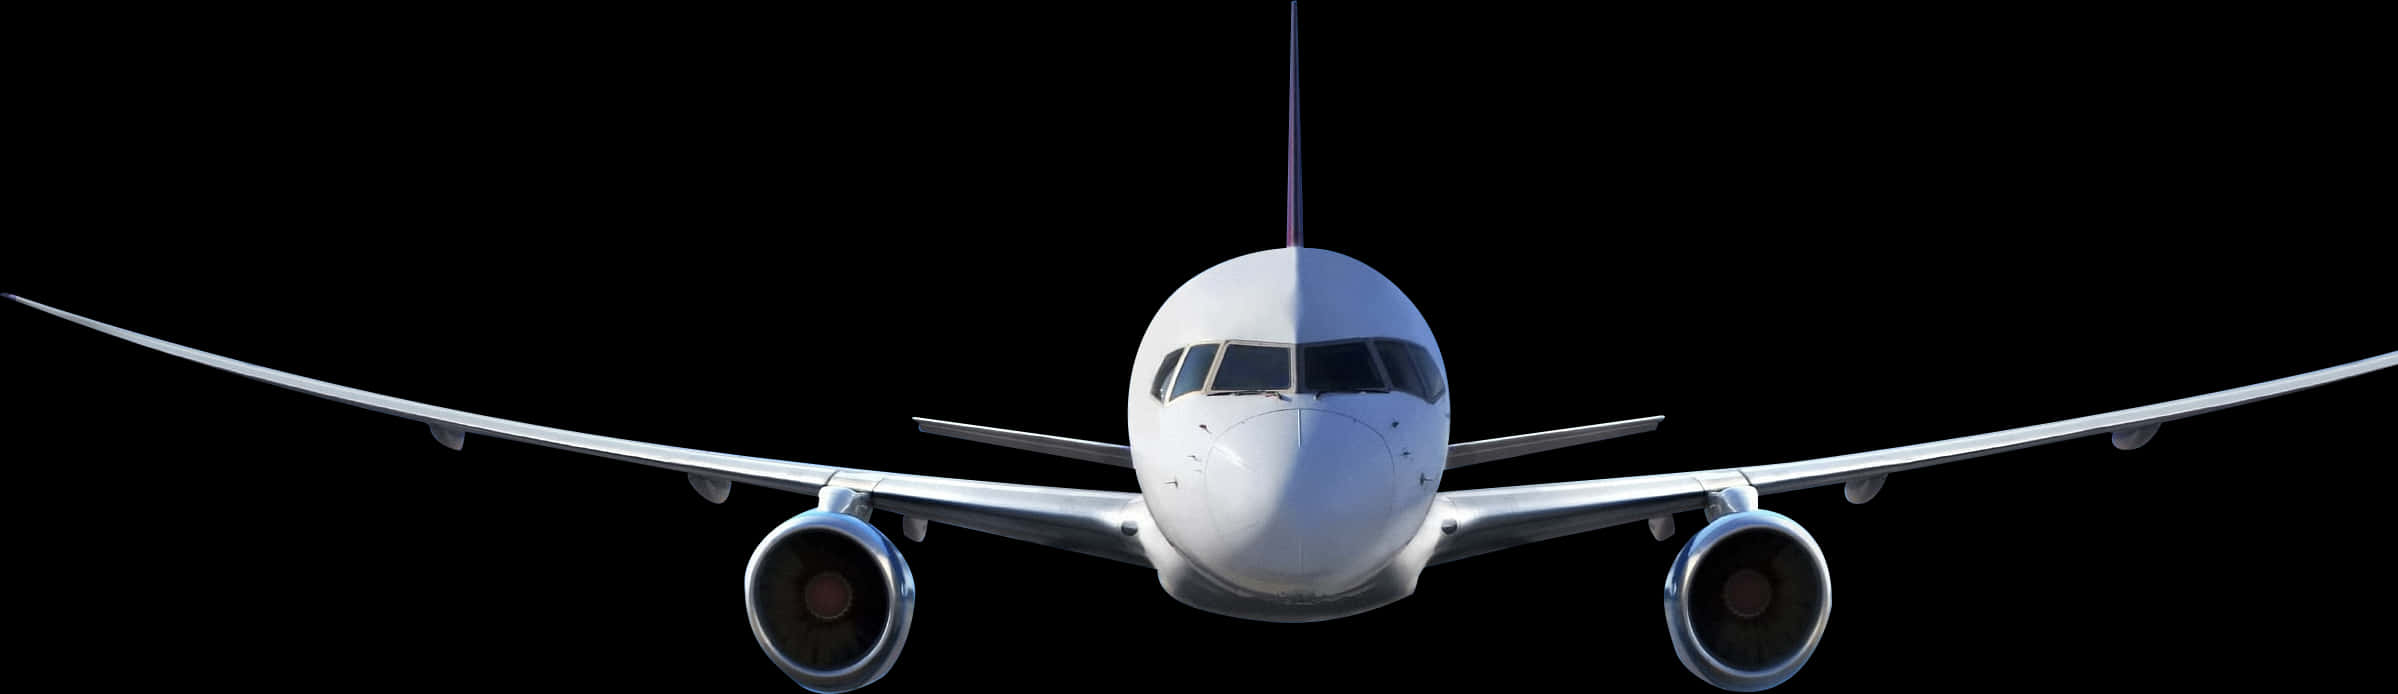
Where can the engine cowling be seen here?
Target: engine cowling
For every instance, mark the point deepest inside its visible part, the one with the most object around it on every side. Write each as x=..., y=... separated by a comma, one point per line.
x=1747, y=600
x=830, y=599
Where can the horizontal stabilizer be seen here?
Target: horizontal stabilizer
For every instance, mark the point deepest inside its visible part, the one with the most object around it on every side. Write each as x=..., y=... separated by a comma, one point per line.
x=1486, y=450
x=1113, y=454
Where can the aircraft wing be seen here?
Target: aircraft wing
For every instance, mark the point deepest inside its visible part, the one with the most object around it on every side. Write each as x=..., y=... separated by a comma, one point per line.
x=1491, y=519
x=1084, y=521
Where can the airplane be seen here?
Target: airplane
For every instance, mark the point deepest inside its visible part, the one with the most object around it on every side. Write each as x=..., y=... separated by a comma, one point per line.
x=627, y=362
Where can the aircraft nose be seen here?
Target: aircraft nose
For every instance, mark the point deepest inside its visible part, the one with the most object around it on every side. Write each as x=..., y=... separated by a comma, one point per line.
x=1299, y=497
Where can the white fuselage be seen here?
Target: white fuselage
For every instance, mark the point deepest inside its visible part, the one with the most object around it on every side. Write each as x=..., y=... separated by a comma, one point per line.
x=1287, y=504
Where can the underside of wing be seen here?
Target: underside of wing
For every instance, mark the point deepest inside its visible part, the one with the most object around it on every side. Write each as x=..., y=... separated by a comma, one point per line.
x=1085, y=521
x=2129, y=428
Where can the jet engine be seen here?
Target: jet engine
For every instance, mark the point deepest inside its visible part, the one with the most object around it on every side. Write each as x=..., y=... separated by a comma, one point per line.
x=830, y=599
x=1747, y=600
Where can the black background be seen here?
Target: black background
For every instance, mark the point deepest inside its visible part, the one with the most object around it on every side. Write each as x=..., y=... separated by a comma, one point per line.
x=784, y=235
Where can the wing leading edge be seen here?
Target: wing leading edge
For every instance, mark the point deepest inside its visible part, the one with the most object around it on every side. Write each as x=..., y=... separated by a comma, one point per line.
x=1485, y=520
x=1087, y=521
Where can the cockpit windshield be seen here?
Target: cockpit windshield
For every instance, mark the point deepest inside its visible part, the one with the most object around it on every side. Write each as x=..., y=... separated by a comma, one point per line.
x=1401, y=369
x=1194, y=369
x=1337, y=367
x=1253, y=367
x=1364, y=365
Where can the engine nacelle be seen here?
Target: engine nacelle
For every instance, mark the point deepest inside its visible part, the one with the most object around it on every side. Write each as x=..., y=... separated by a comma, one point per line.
x=1747, y=600
x=830, y=599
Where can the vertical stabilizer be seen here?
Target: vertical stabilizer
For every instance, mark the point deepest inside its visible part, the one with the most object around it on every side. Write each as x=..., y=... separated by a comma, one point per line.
x=1291, y=218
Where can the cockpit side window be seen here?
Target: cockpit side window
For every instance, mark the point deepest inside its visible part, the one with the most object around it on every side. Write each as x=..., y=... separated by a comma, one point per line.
x=1433, y=382
x=1193, y=375
x=1253, y=367
x=1404, y=374
x=1165, y=370
x=1339, y=367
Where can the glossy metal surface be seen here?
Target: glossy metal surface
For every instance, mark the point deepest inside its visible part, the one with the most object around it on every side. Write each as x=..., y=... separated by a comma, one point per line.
x=1195, y=586
x=1679, y=594
x=1730, y=500
x=1493, y=519
x=1486, y=450
x=713, y=489
x=1859, y=491
x=1488, y=520
x=1293, y=295
x=1080, y=520
x=899, y=584
x=845, y=501
x=2136, y=437
x=1215, y=464
x=448, y=436
x=1771, y=479
x=1284, y=506
x=1110, y=453
x=1660, y=527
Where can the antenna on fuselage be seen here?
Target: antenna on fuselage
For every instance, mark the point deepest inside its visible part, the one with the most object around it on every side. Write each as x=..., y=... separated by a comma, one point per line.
x=1291, y=234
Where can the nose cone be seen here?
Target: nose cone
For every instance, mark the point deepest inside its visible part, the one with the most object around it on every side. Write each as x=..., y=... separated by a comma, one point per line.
x=1301, y=499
